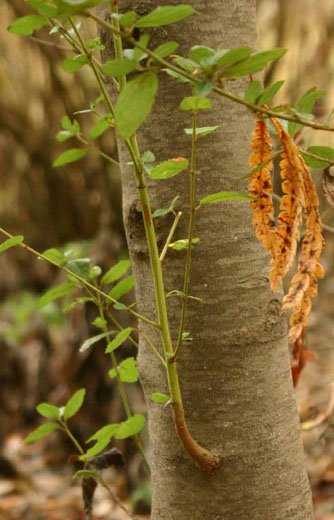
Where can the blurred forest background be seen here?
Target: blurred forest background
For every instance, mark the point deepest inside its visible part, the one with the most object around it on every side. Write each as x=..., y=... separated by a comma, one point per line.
x=79, y=207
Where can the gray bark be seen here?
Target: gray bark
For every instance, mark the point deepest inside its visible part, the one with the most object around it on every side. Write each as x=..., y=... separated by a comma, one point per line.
x=235, y=375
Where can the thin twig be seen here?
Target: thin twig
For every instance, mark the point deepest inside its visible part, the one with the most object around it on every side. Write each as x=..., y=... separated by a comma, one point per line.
x=170, y=236
x=79, y=278
x=51, y=44
x=115, y=498
x=153, y=347
x=190, y=238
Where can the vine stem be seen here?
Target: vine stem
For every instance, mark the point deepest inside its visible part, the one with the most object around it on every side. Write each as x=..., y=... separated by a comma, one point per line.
x=190, y=238
x=206, y=460
x=121, y=388
x=84, y=282
x=219, y=90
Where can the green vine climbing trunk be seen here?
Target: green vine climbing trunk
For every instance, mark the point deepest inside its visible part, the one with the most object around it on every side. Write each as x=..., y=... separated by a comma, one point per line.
x=235, y=375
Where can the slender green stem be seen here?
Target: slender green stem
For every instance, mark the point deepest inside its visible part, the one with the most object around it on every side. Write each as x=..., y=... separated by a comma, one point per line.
x=190, y=238
x=122, y=389
x=153, y=347
x=205, y=460
x=221, y=91
x=97, y=149
x=315, y=156
x=84, y=282
x=95, y=69
x=117, y=41
x=71, y=436
x=170, y=236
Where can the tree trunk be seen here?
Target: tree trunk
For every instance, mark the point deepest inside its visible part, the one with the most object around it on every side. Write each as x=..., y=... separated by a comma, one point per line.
x=235, y=375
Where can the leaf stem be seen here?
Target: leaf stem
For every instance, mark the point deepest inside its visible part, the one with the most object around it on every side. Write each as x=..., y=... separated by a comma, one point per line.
x=190, y=238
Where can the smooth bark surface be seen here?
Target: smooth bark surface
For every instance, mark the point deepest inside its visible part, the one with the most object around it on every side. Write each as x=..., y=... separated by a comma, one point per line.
x=235, y=375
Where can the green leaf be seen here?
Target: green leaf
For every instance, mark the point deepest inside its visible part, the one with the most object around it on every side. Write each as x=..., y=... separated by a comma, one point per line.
x=11, y=242
x=42, y=431
x=179, y=245
x=67, y=124
x=223, y=196
x=195, y=103
x=305, y=105
x=128, y=18
x=253, y=63
x=103, y=437
x=118, y=340
x=43, y=8
x=198, y=52
x=186, y=63
x=127, y=369
x=90, y=341
x=130, y=427
x=119, y=306
x=27, y=25
x=74, y=63
x=168, y=169
x=165, y=15
x=138, y=54
x=323, y=151
x=181, y=294
x=48, y=410
x=118, y=68
x=57, y=292
x=148, y=157
x=135, y=103
x=253, y=91
x=202, y=88
x=269, y=92
x=160, y=212
x=177, y=76
x=116, y=272
x=74, y=403
x=201, y=131
x=94, y=272
x=160, y=398
x=99, y=128
x=80, y=267
x=85, y=473
x=63, y=135
x=72, y=155
x=123, y=287
x=231, y=56
x=166, y=49
x=100, y=323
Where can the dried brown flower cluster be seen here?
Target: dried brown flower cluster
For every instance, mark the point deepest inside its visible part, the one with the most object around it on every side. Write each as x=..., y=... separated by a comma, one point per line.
x=281, y=239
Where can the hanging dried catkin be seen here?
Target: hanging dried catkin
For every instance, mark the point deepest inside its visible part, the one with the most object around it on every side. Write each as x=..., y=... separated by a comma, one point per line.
x=292, y=204
x=281, y=241
x=304, y=285
x=260, y=186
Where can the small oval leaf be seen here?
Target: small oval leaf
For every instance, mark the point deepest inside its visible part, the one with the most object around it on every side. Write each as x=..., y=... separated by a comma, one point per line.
x=74, y=403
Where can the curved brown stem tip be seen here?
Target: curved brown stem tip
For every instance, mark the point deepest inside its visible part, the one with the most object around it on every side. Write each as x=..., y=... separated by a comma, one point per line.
x=205, y=460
